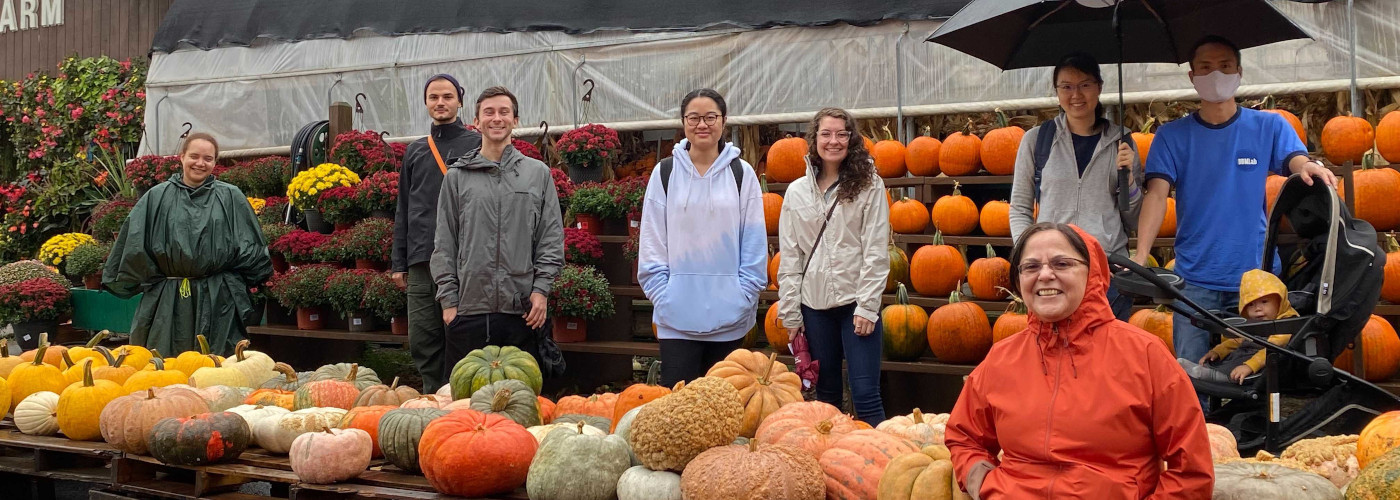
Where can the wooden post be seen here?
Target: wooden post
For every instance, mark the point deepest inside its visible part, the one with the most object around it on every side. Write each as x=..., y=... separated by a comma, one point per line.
x=342, y=119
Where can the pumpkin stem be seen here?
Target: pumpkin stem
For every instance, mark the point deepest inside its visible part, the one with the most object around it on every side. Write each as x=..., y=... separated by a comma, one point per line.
x=1162, y=308
x=654, y=372
x=395, y=384
x=772, y=359
x=824, y=427
x=1268, y=102
x=217, y=364
x=580, y=427
x=4, y=348
x=1390, y=244
x=1016, y=306
x=679, y=385
x=901, y=295
x=967, y=130
x=120, y=359
x=926, y=130
x=753, y=445
x=763, y=182
x=957, y=188
x=937, y=236
x=155, y=353
x=354, y=370
x=498, y=403
x=1002, y=121
x=889, y=136
x=67, y=360
x=991, y=252
x=160, y=363
x=150, y=393
x=1147, y=125
x=87, y=373
x=43, y=347
x=956, y=296
x=918, y=416
x=238, y=349
x=96, y=339
x=107, y=355
x=287, y=371
x=203, y=344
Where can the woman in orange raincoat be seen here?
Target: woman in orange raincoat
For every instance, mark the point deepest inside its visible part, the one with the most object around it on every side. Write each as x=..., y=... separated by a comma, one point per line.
x=1110, y=406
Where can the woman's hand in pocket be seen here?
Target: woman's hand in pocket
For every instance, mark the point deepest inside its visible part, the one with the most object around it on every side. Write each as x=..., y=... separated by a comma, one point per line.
x=449, y=314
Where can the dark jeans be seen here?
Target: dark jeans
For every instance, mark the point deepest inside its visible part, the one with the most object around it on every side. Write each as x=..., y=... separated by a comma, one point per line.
x=831, y=335
x=688, y=360
x=1121, y=304
x=425, y=333
x=468, y=333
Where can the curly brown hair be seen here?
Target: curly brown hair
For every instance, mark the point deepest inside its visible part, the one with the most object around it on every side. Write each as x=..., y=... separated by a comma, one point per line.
x=856, y=170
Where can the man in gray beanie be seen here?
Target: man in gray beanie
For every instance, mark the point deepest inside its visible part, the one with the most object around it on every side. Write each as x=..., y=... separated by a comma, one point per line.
x=425, y=163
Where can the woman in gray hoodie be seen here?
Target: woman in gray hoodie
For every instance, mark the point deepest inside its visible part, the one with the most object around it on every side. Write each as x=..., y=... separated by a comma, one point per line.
x=1078, y=182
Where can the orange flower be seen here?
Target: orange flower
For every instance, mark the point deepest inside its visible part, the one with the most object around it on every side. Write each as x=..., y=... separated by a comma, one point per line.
x=101, y=179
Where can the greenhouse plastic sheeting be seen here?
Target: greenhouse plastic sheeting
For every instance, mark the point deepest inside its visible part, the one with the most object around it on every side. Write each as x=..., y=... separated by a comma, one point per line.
x=259, y=96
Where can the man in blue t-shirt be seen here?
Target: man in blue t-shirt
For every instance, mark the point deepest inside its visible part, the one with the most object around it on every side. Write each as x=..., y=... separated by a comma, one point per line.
x=1217, y=159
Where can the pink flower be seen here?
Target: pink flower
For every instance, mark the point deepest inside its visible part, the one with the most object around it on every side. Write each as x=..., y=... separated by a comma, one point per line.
x=25, y=119
x=604, y=154
x=140, y=95
x=39, y=113
x=126, y=65
x=77, y=112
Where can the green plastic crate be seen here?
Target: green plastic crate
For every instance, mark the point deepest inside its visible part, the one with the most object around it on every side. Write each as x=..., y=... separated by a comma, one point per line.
x=98, y=310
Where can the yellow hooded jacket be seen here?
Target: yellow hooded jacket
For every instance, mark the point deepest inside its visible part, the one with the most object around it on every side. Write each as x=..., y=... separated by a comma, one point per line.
x=1254, y=285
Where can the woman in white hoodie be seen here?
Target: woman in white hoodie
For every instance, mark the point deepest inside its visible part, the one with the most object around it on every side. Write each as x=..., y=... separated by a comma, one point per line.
x=702, y=254
x=832, y=235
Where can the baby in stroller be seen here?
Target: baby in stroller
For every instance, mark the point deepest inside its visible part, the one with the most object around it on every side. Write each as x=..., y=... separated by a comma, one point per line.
x=1263, y=297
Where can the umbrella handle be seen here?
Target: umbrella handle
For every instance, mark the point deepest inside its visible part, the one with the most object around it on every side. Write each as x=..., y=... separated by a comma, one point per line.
x=1123, y=173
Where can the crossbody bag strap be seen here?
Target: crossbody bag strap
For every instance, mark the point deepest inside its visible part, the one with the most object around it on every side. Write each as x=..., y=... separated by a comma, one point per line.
x=437, y=156
x=815, y=244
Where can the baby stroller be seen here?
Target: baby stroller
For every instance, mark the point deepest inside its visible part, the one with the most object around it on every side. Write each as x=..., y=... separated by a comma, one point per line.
x=1334, y=280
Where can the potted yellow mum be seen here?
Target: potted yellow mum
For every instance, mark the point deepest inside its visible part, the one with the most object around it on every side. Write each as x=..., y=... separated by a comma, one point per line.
x=304, y=189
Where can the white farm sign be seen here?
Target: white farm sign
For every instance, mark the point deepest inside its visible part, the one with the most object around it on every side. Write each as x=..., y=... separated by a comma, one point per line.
x=19, y=15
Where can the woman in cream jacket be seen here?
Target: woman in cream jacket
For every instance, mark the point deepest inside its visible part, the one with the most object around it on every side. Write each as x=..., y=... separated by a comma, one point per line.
x=832, y=292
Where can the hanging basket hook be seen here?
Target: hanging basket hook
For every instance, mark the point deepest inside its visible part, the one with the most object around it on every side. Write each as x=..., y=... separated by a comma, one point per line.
x=588, y=96
x=188, y=128
x=360, y=108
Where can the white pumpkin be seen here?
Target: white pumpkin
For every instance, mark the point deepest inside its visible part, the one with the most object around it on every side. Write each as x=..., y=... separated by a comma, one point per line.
x=429, y=401
x=919, y=427
x=624, y=430
x=540, y=431
x=276, y=434
x=445, y=391
x=37, y=414
x=221, y=397
x=255, y=366
x=331, y=456
x=1257, y=480
x=641, y=483
x=256, y=413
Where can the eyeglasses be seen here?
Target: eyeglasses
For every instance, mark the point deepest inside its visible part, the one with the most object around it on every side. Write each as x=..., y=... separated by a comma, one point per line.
x=842, y=136
x=1083, y=87
x=694, y=119
x=1058, y=265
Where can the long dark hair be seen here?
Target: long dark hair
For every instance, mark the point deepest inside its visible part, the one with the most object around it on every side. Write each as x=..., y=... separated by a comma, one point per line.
x=853, y=176
x=1086, y=64
x=713, y=95
x=1016, y=252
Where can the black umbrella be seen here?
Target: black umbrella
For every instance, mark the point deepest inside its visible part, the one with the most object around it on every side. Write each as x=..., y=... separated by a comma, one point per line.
x=1015, y=34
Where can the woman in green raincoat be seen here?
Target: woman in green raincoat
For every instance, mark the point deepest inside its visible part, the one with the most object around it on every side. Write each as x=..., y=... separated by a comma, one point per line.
x=193, y=246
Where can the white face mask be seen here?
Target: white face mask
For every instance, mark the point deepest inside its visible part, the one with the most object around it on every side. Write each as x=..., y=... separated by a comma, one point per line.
x=1216, y=86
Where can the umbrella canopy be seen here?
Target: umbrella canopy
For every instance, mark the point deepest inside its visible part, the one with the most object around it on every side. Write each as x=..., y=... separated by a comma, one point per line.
x=1015, y=34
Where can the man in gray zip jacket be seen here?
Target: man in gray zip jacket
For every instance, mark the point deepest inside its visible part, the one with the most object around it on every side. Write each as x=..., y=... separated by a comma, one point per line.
x=499, y=241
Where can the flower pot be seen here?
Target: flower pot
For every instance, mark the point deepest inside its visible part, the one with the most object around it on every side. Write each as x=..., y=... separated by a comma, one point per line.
x=93, y=281
x=398, y=325
x=27, y=333
x=276, y=314
x=634, y=224
x=383, y=214
x=570, y=330
x=315, y=223
x=360, y=321
x=343, y=226
x=579, y=174
x=589, y=222
x=372, y=265
x=310, y=318
x=76, y=281
x=279, y=262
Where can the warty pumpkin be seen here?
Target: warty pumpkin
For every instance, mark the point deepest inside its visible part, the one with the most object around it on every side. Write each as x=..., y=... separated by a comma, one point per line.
x=1000, y=146
x=332, y=456
x=275, y=434
x=923, y=430
x=899, y=266
x=635, y=395
x=641, y=483
x=508, y=398
x=399, y=433
x=7, y=362
x=37, y=414
x=204, y=439
x=989, y=276
x=329, y=392
x=811, y=426
x=908, y=216
x=1011, y=322
x=905, y=326
x=889, y=155
x=80, y=405
x=35, y=376
x=772, y=207
x=577, y=466
x=392, y=394
x=764, y=385
x=157, y=376
x=474, y=454
x=672, y=430
x=1378, y=481
x=787, y=159
x=955, y=214
x=493, y=363
x=772, y=472
x=189, y=361
x=1242, y=479
x=1346, y=139
x=1388, y=137
x=287, y=378
x=364, y=378
x=937, y=269
x=921, y=156
x=53, y=356
x=961, y=153
x=853, y=464
x=774, y=330
x=127, y=420
x=959, y=332
x=925, y=475
x=995, y=218
x=255, y=366
x=272, y=397
x=366, y=418
x=1157, y=322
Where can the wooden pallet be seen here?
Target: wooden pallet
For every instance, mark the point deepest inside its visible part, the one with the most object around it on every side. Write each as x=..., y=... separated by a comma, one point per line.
x=56, y=458
x=383, y=482
x=147, y=476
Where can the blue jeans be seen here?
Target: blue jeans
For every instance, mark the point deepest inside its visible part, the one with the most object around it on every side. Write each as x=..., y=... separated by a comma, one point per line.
x=1122, y=305
x=831, y=335
x=1191, y=343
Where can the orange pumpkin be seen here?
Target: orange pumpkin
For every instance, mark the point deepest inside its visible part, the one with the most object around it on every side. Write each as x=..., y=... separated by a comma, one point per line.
x=989, y=276
x=1168, y=227
x=1390, y=288
x=921, y=156
x=1222, y=443
x=959, y=332
x=547, y=406
x=53, y=356
x=1156, y=322
x=853, y=465
x=996, y=218
x=272, y=397
x=899, y=266
x=1011, y=322
x=1378, y=437
x=1143, y=140
x=954, y=214
x=1382, y=348
x=936, y=269
x=889, y=157
x=773, y=270
x=638, y=394
x=473, y=454
x=787, y=159
x=908, y=216
x=772, y=207
x=1347, y=139
x=961, y=153
x=1376, y=192
x=1000, y=145
x=598, y=405
x=1293, y=121
x=869, y=144
x=1274, y=183
x=764, y=385
x=366, y=418
x=812, y=426
x=905, y=325
x=1387, y=137
x=775, y=332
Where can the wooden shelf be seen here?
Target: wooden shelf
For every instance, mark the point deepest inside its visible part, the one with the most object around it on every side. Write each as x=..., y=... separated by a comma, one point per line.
x=292, y=331
x=968, y=180
x=640, y=348
x=997, y=241
x=612, y=238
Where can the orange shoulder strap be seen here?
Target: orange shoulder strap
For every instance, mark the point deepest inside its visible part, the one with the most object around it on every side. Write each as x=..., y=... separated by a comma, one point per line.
x=436, y=156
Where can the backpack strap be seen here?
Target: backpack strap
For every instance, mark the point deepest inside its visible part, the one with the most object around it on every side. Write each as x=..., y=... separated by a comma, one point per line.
x=1044, y=141
x=736, y=167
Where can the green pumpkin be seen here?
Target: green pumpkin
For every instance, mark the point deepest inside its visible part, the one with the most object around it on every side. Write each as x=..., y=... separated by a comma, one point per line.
x=287, y=379
x=624, y=430
x=511, y=399
x=574, y=466
x=207, y=438
x=1380, y=480
x=364, y=378
x=399, y=432
x=491, y=364
x=591, y=420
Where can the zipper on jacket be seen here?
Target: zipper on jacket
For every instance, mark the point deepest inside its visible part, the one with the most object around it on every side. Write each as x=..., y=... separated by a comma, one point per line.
x=1050, y=418
x=498, y=238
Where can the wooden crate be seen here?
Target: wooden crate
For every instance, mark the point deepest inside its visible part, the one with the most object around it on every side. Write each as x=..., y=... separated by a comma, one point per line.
x=147, y=476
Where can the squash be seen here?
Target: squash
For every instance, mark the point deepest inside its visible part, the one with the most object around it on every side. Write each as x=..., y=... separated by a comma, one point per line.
x=430, y=401
x=1388, y=137
x=540, y=431
x=1012, y=321
x=275, y=434
x=1332, y=457
x=4, y=395
x=287, y=379
x=189, y=361
x=473, y=454
x=787, y=159
x=812, y=426
x=1390, y=287
x=80, y=405
x=134, y=356
x=641, y=483
x=363, y=379
x=1378, y=481
x=772, y=472
x=1379, y=437
x=959, y=332
x=954, y=214
x=1157, y=322
x=1267, y=480
x=988, y=277
x=623, y=428
x=126, y=420
x=899, y=266
x=399, y=432
x=598, y=405
x=204, y=439
x=1143, y=140
x=78, y=354
x=7, y=362
x=773, y=262
x=53, y=356
x=114, y=369
x=637, y=395
x=1347, y=139
x=889, y=156
x=764, y=385
x=577, y=466
x=774, y=330
x=220, y=397
x=904, y=324
x=772, y=207
x=366, y=418
x=1223, y=446
x=961, y=153
x=1382, y=348
x=923, y=430
x=272, y=397
x=218, y=374
x=509, y=398
x=921, y=156
x=908, y=216
x=156, y=377
x=331, y=456
x=329, y=392
x=1000, y=145
x=35, y=376
x=936, y=269
x=925, y=475
x=255, y=366
x=672, y=430
x=546, y=409
x=995, y=218
x=1292, y=119
x=853, y=464
x=392, y=394
x=255, y=414
x=493, y=363
x=601, y=423
x=1168, y=227
x=1376, y=190
x=37, y=414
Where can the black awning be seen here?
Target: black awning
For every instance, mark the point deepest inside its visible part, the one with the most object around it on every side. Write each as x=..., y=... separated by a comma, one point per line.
x=208, y=24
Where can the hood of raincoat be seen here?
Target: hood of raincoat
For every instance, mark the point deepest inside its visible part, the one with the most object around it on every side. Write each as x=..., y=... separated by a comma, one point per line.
x=1257, y=284
x=1093, y=310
